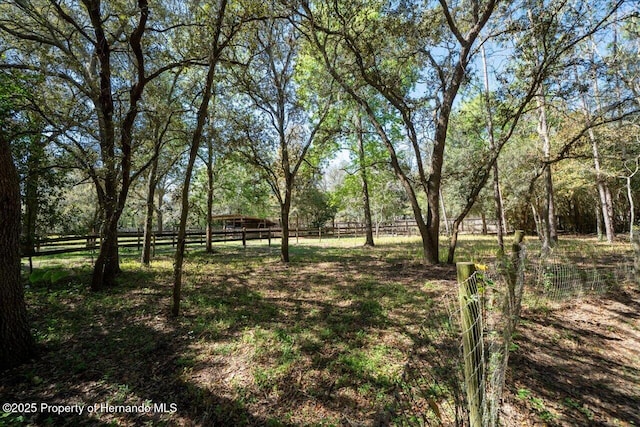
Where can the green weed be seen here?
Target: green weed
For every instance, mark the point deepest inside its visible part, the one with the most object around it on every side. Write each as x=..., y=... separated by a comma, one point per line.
x=570, y=403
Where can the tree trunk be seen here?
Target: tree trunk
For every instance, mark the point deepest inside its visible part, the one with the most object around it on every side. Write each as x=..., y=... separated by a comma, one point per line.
x=195, y=145
x=148, y=223
x=632, y=207
x=444, y=215
x=538, y=221
x=635, y=242
x=484, y=223
x=368, y=223
x=160, y=218
x=193, y=152
x=549, y=214
x=103, y=270
x=284, y=220
x=117, y=162
x=497, y=195
x=599, y=221
x=107, y=265
x=453, y=241
x=550, y=235
x=17, y=343
x=184, y=211
x=31, y=194
x=209, y=246
x=551, y=223
x=604, y=192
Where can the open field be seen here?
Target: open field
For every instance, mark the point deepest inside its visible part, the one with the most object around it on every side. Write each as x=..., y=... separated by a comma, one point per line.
x=329, y=340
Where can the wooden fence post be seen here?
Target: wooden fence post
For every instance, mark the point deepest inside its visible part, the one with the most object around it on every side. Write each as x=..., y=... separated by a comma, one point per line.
x=472, y=345
x=269, y=236
x=244, y=236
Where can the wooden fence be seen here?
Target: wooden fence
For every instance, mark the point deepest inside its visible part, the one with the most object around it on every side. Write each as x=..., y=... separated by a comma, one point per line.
x=134, y=239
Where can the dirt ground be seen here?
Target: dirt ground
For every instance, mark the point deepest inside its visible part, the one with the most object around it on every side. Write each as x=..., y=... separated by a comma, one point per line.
x=325, y=342
x=577, y=364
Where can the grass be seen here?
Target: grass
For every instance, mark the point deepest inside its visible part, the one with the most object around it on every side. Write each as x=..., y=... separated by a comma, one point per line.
x=327, y=329
x=327, y=340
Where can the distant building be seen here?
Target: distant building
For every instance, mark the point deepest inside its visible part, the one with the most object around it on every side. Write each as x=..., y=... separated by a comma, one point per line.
x=235, y=222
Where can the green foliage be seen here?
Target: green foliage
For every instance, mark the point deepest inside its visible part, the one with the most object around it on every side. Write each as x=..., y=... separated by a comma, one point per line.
x=237, y=189
x=313, y=206
x=537, y=403
x=48, y=276
x=570, y=403
x=10, y=419
x=467, y=154
x=388, y=199
x=36, y=158
x=12, y=95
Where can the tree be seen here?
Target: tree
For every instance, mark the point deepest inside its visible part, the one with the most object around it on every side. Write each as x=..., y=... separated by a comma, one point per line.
x=160, y=127
x=520, y=84
x=17, y=343
x=212, y=162
x=550, y=232
x=221, y=26
x=631, y=172
x=604, y=192
x=312, y=204
x=368, y=225
x=497, y=193
x=278, y=131
x=238, y=189
x=613, y=68
x=429, y=42
x=43, y=171
x=210, y=189
x=368, y=157
x=388, y=199
x=98, y=53
x=15, y=335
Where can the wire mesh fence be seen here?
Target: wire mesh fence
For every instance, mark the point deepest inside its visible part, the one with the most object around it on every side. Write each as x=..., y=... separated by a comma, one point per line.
x=566, y=276
x=456, y=373
x=431, y=388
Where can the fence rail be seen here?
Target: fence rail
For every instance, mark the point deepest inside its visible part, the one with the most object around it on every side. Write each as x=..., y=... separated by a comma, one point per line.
x=135, y=239
x=128, y=239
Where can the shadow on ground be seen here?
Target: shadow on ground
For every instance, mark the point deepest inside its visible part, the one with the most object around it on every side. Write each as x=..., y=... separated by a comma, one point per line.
x=578, y=365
